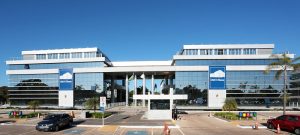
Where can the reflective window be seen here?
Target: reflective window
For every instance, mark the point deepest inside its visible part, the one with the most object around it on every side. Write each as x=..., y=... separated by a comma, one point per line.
x=159, y=104
x=89, y=54
x=235, y=51
x=249, y=51
x=220, y=51
x=89, y=81
x=194, y=84
x=77, y=55
x=41, y=56
x=206, y=52
x=53, y=56
x=247, y=87
x=190, y=52
x=224, y=62
x=56, y=65
x=50, y=80
x=64, y=56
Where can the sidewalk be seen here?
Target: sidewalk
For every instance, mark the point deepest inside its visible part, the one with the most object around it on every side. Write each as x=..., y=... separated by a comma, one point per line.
x=123, y=118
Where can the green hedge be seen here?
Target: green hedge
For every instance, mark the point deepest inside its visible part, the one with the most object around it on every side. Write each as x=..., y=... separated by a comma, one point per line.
x=30, y=115
x=99, y=114
x=230, y=116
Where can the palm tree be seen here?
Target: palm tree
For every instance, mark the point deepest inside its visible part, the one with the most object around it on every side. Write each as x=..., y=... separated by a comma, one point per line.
x=283, y=64
x=92, y=103
x=33, y=104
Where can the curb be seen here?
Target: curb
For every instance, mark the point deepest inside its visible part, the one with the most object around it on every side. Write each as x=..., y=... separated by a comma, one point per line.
x=94, y=126
x=148, y=127
x=250, y=127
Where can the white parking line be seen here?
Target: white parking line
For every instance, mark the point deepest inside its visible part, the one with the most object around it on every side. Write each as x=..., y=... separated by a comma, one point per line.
x=181, y=131
x=220, y=119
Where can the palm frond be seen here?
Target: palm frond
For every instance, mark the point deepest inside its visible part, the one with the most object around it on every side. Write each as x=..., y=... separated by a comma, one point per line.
x=278, y=74
x=273, y=65
x=275, y=56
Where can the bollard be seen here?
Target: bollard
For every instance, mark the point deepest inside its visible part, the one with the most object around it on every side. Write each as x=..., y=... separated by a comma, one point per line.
x=278, y=129
x=38, y=115
x=255, y=126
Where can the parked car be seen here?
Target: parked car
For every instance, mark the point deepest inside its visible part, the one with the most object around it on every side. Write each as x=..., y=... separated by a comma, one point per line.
x=287, y=122
x=54, y=122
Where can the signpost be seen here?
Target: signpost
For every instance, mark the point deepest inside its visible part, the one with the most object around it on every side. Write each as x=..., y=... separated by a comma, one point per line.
x=102, y=107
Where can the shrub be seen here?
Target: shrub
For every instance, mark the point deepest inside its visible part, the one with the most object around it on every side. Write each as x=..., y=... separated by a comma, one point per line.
x=230, y=105
x=30, y=115
x=99, y=114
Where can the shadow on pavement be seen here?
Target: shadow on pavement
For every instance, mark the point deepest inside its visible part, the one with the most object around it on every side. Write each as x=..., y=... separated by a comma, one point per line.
x=77, y=122
x=6, y=121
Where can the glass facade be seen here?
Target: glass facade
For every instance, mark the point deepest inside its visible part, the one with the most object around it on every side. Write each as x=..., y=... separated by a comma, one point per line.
x=223, y=62
x=194, y=84
x=89, y=81
x=47, y=79
x=247, y=87
x=55, y=65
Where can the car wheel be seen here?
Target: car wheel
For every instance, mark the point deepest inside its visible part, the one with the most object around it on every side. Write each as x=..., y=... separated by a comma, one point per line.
x=297, y=131
x=270, y=126
x=56, y=128
x=70, y=124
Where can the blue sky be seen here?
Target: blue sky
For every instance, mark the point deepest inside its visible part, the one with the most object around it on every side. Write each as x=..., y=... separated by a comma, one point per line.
x=144, y=30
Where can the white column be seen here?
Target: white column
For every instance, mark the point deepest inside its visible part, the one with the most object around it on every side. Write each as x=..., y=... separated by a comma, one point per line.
x=148, y=102
x=152, y=84
x=126, y=85
x=135, y=85
x=144, y=88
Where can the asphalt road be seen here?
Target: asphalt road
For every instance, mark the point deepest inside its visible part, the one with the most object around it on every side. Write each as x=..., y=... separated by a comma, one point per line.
x=190, y=124
x=201, y=124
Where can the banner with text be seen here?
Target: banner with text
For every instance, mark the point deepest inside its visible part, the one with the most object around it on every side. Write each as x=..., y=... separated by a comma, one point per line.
x=65, y=79
x=217, y=77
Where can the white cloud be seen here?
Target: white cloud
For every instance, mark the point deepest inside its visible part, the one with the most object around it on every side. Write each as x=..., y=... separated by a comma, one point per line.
x=66, y=75
x=218, y=74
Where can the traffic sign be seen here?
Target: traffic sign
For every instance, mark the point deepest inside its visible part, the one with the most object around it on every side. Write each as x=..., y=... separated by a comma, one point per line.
x=102, y=103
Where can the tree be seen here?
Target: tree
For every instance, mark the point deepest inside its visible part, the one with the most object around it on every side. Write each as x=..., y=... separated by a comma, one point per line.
x=230, y=105
x=33, y=104
x=92, y=103
x=283, y=64
x=79, y=87
x=3, y=95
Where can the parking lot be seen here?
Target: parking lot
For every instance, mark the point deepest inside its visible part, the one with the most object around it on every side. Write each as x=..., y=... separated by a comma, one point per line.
x=194, y=123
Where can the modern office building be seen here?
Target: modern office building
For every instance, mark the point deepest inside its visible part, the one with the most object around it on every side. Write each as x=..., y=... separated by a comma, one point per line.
x=208, y=74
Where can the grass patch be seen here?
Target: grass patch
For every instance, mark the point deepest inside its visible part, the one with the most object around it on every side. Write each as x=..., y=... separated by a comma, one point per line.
x=230, y=116
x=99, y=114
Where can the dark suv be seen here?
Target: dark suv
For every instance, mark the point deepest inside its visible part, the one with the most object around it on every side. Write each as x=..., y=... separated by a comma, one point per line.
x=54, y=122
x=287, y=122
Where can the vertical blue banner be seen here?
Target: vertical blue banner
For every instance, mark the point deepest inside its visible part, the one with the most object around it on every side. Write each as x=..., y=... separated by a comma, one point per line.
x=65, y=79
x=217, y=77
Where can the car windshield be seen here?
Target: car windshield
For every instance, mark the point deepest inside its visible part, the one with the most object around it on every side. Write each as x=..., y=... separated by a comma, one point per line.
x=51, y=117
